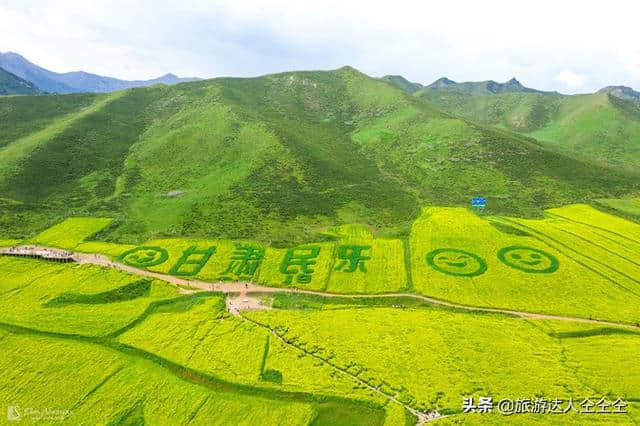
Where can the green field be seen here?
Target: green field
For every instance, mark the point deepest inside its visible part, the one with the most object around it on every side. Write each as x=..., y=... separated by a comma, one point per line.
x=321, y=360
x=596, y=276
x=310, y=360
x=629, y=206
x=572, y=244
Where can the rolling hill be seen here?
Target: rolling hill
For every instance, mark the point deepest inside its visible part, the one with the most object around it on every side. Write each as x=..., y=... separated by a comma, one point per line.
x=476, y=87
x=73, y=82
x=402, y=83
x=600, y=127
x=277, y=159
x=11, y=84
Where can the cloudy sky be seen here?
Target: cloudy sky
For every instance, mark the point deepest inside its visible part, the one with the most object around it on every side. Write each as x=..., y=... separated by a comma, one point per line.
x=572, y=47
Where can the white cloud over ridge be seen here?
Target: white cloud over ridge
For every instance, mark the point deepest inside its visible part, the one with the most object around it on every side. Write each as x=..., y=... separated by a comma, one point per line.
x=537, y=42
x=571, y=78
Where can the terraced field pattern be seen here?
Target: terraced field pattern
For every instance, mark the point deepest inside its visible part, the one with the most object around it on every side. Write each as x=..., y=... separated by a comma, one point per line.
x=354, y=329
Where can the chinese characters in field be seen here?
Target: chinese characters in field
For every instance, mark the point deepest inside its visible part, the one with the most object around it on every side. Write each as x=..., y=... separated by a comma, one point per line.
x=298, y=264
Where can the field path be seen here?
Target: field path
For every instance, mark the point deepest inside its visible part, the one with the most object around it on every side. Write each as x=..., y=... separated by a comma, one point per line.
x=240, y=299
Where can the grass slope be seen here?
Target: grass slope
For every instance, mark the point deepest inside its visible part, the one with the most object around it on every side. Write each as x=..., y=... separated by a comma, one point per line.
x=277, y=158
x=599, y=127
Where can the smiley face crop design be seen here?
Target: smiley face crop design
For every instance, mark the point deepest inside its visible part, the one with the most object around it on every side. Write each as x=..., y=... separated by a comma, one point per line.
x=456, y=262
x=143, y=257
x=528, y=259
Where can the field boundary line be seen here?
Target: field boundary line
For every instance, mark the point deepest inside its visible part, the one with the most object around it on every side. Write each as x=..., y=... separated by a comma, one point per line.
x=599, y=246
x=422, y=417
x=593, y=226
x=189, y=374
x=536, y=231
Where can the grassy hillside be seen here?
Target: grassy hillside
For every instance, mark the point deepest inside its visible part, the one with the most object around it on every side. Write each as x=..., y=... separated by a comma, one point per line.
x=599, y=127
x=487, y=87
x=402, y=83
x=11, y=84
x=278, y=159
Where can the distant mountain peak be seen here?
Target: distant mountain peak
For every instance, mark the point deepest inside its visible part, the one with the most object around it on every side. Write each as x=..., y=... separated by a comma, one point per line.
x=11, y=84
x=623, y=92
x=10, y=54
x=76, y=81
x=479, y=87
x=514, y=83
x=402, y=83
x=444, y=80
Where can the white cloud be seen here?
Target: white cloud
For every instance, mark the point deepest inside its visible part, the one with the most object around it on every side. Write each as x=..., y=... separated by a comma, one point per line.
x=464, y=40
x=571, y=79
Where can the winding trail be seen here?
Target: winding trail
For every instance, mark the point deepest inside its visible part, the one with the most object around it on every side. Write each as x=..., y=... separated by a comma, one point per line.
x=240, y=290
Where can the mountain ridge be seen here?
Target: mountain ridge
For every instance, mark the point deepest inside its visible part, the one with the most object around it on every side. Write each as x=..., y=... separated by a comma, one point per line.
x=489, y=87
x=480, y=87
x=278, y=158
x=402, y=83
x=75, y=81
x=11, y=84
x=623, y=92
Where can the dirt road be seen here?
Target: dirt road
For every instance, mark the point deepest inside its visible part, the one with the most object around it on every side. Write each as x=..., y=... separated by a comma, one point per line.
x=243, y=300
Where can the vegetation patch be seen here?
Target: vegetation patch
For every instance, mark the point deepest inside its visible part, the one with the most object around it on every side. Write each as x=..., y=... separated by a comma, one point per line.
x=528, y=259
x=140, y=288
x=144, y=257
x=193, y=259
x=456, y=262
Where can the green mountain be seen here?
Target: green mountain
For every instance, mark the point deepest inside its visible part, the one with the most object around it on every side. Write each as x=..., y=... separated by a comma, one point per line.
x=277, y=158
x=622, y=92
x=600, y=127
x=11, y=84
x=402, y=83
x=476, y=87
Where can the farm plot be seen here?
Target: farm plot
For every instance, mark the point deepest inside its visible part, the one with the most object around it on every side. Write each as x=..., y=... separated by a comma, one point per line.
x=356, y=264
x=202, y=259
x=458, y=256
x=197, y=332
x=602, y=222
x=431, y=359
x=364, y=264
x=70, y=232
x=90, y=384
x=620, y=263
x=307, y=266
x=9, y=243
x=68, y=298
